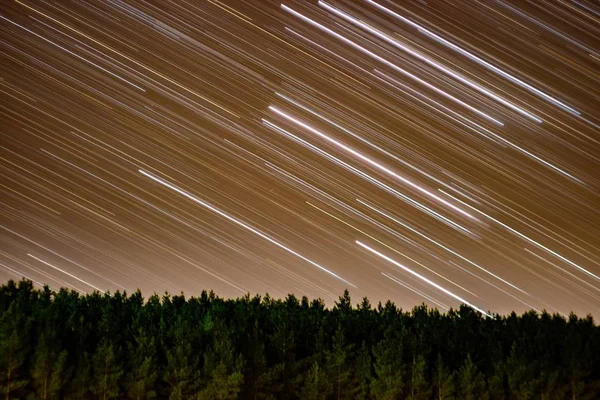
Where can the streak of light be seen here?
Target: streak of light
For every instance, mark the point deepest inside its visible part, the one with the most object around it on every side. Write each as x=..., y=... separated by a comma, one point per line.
x=66, y=273
x=412, y=289
x=563, y=270
x=421, y=277
x=487, y=131
x=240, y=223
x=61, y=256
x=388, y=246
x=373, y=163
x=369, y=178
x=475, y=58
x=367, y=142
x=132, y=60
x=541, y=246
x=20, y=274
x=76, y=55
x=431, y=62
x=394, y=66
x=439, y=244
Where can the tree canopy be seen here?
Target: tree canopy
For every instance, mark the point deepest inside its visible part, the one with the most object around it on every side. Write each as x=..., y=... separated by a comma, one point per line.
x=64, y=345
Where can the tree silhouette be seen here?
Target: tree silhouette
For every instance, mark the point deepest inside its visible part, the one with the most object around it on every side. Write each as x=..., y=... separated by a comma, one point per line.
x=471, y=383
x=316, y=385
x=107, y=372
x=56, y=345
x=388, y=382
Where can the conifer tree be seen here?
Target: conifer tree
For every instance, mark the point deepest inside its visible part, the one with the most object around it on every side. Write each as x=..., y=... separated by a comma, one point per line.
x=181, y=371
x=316, y=385
x=388, y=383
x=256, y=376
x=222, y=368
x=107, y=372
x=420, y=389
x=550, y=387
x=363, y=372
x=339, y=367
x=49, y=371
x=520, y=380
x=443, y=381
x=471, y=383
x=82, y=378
x=497, y=382
x=66, y=345
x=580, y=386
x=283, y=374
x=142, y=375
x=14, y=329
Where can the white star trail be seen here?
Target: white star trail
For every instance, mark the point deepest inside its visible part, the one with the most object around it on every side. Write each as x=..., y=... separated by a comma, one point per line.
x=240, y=223
x=246, y=146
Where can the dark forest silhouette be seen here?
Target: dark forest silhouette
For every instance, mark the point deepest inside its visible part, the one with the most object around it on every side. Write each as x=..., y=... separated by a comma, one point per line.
x=64, y=345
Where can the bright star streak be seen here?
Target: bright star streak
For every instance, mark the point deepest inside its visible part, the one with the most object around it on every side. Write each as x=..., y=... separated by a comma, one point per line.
x=475, y=58
x=75, y=55
x=438, y=244
x=373, y=163
x=369, y=178
x=240, y=223
x=356, y=136
x=482, y=128
x=66, y=273
x=429, y=61
x=420, y=293
x=541, y=246
x=421, y=277
x=393, y=66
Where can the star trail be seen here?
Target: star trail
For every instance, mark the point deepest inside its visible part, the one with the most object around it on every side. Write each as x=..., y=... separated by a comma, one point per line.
x=423, y=152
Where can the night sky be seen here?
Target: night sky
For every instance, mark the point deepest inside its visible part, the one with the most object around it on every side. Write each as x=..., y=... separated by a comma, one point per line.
x=426, y=151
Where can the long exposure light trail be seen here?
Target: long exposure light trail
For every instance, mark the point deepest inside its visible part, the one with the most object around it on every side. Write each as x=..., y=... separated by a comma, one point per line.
x=527, y=238
x=431, y=62
x=369, y=178
x=421, y=277
x=240, y=223
x=372, y=163
x=473, y=57
x=242, y=147
x=394, y=66
x=438, y=244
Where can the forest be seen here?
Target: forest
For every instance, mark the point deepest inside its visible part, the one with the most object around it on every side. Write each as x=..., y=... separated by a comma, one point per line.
x=67, y=345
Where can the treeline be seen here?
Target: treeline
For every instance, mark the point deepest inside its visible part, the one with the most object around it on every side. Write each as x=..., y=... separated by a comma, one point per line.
x=63, y=345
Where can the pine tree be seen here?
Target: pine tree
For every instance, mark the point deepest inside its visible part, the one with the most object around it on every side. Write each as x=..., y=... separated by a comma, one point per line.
x=363, y=372
x=283, y=374
x=388, y=382
x=222, y=369
x=107, y=372
x=471, y=383
x=142, y=376
x=443, y=381
x=14, y=329
x=550, y=386
x=338, y=367
x=256, y=376
x=68, y=346
x=49, y=369
x=581, y=387
x=520, y=380
x=181, y=371
x=316, y=385
x=420, y=389
x=497, y=383
x=82, y=379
